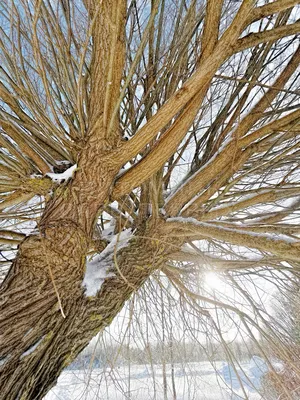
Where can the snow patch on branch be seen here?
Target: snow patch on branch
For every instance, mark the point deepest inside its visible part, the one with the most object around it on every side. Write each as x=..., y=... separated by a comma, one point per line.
x=98, y=268
x=32, y=348
x=95, y=275
x=267, y=236
x=27, y=333
x=64, y=176
x=4, y=360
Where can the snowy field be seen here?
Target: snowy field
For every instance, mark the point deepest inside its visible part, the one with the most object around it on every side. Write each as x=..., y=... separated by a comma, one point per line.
x=196, y=381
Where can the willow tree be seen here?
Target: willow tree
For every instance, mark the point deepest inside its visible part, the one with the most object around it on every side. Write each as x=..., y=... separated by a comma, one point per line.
x=175, y=121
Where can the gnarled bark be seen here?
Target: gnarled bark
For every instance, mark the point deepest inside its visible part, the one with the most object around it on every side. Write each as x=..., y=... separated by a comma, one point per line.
x=46, y=318
x=37, y=341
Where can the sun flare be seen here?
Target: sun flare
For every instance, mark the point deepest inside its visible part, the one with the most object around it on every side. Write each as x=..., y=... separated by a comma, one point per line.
x=213, y=281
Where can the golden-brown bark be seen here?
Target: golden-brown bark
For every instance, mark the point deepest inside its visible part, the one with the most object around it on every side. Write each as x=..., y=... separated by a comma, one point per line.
x=44, y=283
x=37, y=341
x=45, y=316
x=107, y=64
x=42, y=298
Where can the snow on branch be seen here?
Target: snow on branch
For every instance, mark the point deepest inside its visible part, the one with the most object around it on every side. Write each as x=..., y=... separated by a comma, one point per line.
x=99, y=267
x=277, y=244
x=64, y=176
x=32, y=348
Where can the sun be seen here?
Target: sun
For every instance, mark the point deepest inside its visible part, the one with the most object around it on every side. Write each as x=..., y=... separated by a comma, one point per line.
x=213, y=281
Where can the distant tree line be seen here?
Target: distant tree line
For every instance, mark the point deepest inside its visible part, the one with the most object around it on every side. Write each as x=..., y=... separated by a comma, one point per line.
x=158, y=353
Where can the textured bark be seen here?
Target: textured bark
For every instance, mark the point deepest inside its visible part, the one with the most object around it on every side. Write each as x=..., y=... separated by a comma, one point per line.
x=45, y=282
x=36, y=341
x=46, y=319
x=81, y=200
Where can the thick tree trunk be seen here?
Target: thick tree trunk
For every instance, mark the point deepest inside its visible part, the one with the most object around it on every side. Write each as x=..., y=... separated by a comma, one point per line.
x=37, y=342
x=45, y=317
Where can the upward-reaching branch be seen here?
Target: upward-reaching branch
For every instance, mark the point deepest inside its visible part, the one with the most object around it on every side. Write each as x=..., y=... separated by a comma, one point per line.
x=107, y=64
x=189, y=96
x=197, y=82
x=60, y=101
x=205, y=175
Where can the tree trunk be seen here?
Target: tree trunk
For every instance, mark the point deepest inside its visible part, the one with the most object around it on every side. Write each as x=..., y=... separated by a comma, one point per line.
x=37, y=342
x=46, y=319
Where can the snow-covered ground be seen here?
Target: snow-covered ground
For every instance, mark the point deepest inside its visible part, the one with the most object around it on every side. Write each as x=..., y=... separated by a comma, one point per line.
x=194, y=381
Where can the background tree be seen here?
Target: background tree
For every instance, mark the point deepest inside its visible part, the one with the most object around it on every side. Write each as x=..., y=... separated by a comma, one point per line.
x=179, y=122
x=287, y=322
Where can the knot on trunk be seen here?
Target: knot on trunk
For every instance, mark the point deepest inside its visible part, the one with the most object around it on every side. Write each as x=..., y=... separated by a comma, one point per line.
x=58, y=250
